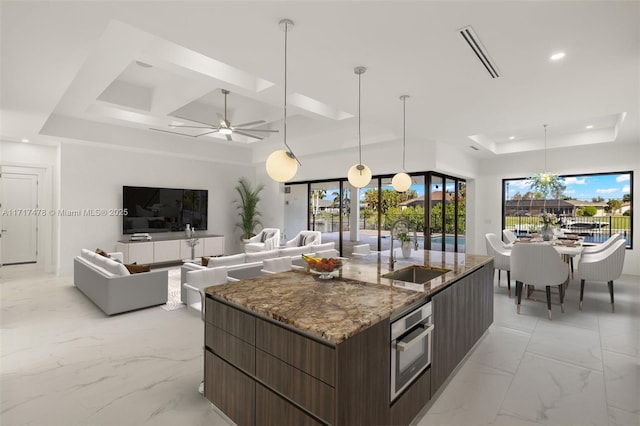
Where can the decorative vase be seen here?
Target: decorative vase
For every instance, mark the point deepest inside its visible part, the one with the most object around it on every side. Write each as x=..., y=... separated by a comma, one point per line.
x=406, y=249
x=547, y=233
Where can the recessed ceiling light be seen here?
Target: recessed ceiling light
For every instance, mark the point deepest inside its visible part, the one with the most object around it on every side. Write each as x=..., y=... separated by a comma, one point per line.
x=557, y=56
x=143, y=64
x=25, y=140
x=590, y=126
x=511, y=138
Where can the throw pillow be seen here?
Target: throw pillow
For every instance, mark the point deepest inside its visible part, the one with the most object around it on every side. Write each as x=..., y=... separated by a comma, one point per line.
x=305, y=239
x=205, y=261
x=134, y=269
x=102, y=252
x=266, y=236
x=301, y=240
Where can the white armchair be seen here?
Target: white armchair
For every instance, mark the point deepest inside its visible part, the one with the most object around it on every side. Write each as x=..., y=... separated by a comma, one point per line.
x=305, y=238
x=267, y=239
x=538, y=264
x=501, y=257
x=604, y=265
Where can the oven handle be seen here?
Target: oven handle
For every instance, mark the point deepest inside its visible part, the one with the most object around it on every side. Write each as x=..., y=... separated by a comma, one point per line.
x=403, y=346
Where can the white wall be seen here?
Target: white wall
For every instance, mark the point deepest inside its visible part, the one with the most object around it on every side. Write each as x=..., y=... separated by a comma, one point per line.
x=92, y=177
x=43, y=161
x=586, y=159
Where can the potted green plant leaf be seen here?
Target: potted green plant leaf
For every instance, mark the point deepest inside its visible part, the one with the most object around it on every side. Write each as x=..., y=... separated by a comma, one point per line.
x=405, y=244
x=247, y=206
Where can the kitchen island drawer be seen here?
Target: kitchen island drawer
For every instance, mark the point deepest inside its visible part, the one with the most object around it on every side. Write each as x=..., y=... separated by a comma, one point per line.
x=229, y=389
x=273, y=410
x=302, y=352
x=234, y=350
x=303, y=389
x=231, y=320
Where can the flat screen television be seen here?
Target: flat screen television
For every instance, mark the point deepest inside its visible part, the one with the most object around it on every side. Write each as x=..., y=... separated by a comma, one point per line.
x=163, y=209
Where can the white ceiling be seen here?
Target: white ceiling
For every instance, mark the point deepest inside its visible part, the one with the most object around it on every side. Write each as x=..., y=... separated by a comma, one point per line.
x=67, y=64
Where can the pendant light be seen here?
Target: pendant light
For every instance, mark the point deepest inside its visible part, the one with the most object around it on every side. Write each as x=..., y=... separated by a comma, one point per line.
x=401, y=181
x=282, y=164
x=545, y=182
x=359, y=175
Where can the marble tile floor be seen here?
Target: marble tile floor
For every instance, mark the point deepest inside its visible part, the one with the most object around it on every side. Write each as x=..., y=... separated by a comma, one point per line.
x=63, y=362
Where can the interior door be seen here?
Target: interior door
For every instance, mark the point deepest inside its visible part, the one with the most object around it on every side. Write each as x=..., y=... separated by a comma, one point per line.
x=19, y=218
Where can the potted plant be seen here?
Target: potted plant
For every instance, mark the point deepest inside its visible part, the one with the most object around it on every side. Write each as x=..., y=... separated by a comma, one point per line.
x=405, y=244
x=247, y=207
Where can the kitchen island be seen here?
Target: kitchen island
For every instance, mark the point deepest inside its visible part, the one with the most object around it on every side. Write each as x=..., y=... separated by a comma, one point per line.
x=289, y=348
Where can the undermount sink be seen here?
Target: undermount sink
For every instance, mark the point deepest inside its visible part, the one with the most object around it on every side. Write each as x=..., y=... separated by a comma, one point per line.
x=416, y=274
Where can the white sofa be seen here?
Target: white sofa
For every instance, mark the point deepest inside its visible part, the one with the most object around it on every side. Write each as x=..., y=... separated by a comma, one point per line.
x=109, y=285
x=249, y=265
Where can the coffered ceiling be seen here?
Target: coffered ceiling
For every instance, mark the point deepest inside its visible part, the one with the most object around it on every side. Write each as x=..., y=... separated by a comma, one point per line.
x=118, y=68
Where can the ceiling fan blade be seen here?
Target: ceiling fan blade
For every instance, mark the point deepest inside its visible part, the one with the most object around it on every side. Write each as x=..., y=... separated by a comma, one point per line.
x=229, y=138
x=206, y=133
x=195, y=121
x=193, y=127
x=248, y=135
x=251, y=123
x=169, y=131
x=235, y=129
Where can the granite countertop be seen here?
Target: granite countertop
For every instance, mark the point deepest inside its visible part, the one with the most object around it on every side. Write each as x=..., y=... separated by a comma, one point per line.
x=356, y=299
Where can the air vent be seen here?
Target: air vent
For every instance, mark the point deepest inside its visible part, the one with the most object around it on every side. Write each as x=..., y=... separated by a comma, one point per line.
x=474, y=148
x=475, y=44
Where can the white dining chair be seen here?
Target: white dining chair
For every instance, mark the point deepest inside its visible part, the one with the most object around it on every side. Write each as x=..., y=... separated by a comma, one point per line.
x=602, y=246
x=604, y=265
x=509, y=236
x=501, y=257
x=538, y=264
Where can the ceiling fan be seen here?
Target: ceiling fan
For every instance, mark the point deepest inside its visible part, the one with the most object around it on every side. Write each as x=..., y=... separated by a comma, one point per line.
x=224, y=128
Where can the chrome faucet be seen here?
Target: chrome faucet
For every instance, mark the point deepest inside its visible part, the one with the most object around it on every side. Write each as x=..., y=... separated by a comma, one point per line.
x=407, y=224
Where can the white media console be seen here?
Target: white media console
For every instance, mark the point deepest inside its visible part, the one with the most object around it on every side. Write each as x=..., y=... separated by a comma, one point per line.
x=166, y=248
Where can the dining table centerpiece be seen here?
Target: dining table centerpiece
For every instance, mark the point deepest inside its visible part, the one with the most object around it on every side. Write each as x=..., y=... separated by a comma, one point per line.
x=548, y=220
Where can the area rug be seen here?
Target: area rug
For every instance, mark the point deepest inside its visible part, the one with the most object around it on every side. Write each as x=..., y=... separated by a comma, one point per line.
x=173, y=296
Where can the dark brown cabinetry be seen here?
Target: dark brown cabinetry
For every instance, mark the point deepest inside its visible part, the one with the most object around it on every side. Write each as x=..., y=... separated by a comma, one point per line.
x=462, y=313
x=283, y=377
x=263, y=372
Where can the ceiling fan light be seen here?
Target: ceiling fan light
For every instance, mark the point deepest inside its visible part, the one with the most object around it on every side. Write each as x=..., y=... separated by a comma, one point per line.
x=401, y=182
x=359, y=175
x=281, y=166
x=225, y=131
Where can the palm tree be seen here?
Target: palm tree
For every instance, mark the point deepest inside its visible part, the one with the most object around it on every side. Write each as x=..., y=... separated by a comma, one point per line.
x=248, y=207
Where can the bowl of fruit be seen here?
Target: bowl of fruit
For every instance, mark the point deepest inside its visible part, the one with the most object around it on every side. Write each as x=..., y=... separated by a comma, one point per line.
x=323, y=265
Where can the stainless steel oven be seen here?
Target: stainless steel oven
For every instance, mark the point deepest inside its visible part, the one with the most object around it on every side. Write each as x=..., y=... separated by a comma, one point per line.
x=410, y=347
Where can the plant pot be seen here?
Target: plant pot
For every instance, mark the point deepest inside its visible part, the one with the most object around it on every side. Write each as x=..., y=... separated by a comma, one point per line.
x=406, y=249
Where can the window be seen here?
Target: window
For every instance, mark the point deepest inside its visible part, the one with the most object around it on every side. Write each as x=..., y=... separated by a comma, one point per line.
x=434, y=206
x=594, y=206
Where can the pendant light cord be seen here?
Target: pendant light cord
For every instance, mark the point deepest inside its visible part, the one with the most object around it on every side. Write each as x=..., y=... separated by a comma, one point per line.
x=286, y=31
x=545, y=148
x=289, y=150
x=359, y=119
x=404, y=130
